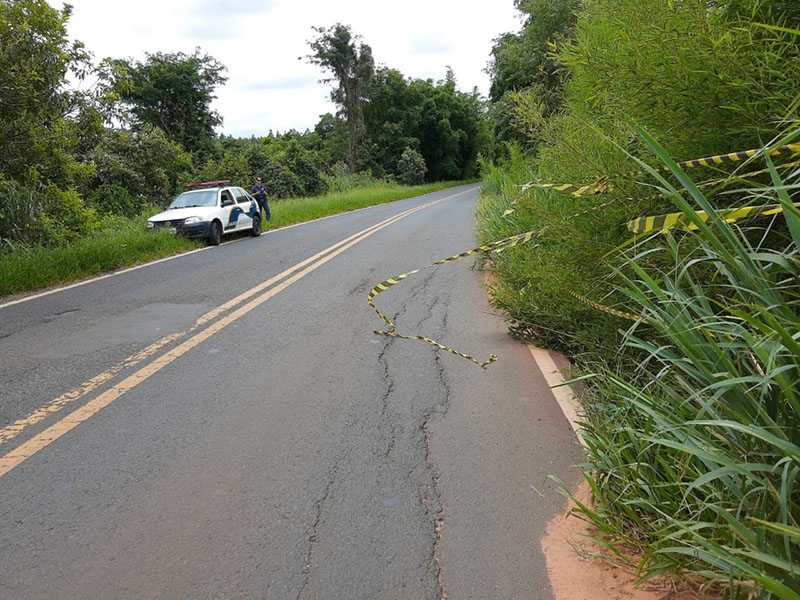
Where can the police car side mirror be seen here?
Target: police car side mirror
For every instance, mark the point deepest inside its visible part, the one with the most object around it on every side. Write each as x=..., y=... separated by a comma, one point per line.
x=227, y=202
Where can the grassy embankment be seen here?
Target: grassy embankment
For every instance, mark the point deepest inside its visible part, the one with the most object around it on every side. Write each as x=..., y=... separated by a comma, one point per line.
x=692, y=423
x=121, y=243
x=692, y=414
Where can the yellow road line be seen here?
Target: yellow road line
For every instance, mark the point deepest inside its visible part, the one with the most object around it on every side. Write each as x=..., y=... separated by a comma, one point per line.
x=29, y=448
x=14, y=429
x=11, y=431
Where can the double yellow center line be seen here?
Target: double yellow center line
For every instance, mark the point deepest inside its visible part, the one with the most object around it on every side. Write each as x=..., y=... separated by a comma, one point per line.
x=270, y=288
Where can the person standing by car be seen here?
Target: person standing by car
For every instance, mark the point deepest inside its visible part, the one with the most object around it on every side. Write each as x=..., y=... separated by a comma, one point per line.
x=259, y=192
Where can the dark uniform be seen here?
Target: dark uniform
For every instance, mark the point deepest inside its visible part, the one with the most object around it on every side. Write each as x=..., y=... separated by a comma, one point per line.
x=259, y=192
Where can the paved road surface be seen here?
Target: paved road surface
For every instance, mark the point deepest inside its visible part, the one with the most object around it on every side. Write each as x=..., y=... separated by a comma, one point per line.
x=186, y=430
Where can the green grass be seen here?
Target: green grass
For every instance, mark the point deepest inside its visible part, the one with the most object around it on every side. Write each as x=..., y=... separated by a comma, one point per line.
x=113, y=247
x=692, y=428
x=126, y=242
x=693, y=455
x=300, y=210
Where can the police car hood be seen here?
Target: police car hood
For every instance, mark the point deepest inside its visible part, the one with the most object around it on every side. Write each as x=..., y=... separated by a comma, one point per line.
x=183, y=213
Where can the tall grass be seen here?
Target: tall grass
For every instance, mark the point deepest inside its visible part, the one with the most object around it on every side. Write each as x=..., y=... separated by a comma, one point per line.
x=121, y=243
x=300, y=210
x=125, y=242
x=695, y=456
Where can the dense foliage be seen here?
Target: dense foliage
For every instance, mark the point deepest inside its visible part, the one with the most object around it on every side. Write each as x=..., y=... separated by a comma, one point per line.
x=524, y=65
x=703, y=77
x=692, y=417
x=69, y=160
x=170, y=91
x=444, y=125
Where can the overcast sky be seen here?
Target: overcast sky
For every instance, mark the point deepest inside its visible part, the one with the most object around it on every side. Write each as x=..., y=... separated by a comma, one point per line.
x=259, y=41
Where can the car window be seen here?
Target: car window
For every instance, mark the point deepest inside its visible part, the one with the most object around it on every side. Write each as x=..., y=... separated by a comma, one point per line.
x=226, y=196
x=195, y=198
x=241, y=196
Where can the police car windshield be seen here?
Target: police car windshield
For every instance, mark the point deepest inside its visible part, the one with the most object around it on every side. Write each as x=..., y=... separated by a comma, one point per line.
x=195, y=198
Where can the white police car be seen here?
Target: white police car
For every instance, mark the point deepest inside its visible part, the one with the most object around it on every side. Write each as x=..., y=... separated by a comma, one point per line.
x=209, y=210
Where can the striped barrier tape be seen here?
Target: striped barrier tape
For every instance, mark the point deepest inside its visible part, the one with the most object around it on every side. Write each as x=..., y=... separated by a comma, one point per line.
x=631, y=316
x=590, y=189
x=719, y=159
x=665, y=222
x=703, y=185
x=602, y=185
x=498, y=246
x=509, y=242
x=608, y=310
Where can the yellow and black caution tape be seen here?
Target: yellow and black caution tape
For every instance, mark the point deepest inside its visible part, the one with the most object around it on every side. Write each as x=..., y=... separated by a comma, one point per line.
x=499, y=245
x=602, y=185
x=668, y=221
x=611, y=311
x=522, y=238
x=718, y=159
x=702, y=185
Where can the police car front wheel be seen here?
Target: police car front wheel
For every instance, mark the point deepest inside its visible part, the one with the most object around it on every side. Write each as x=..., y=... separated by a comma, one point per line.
x=215, y=234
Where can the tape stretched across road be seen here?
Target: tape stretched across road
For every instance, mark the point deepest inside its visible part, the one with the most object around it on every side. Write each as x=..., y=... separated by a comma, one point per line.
x=601, y=185
x=522, y=238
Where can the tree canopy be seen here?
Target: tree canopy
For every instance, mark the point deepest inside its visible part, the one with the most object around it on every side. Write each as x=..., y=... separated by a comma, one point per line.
x=350, y=61
x=172, y=92
x=35, y=57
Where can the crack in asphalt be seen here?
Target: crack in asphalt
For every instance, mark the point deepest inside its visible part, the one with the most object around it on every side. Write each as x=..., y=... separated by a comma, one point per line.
x=397, y=415
x=436, y=476
x=413, y=291
x=428, y=488
x=312, y=538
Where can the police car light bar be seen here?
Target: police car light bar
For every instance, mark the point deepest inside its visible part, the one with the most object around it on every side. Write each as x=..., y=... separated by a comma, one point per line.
x=208, y=183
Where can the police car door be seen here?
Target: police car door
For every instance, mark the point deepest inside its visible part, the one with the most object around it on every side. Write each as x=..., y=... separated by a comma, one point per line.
x=234, y=212
x=248, y=207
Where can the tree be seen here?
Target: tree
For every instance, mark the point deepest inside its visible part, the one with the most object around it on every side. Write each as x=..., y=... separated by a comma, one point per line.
x=172, y=92
x=392, y=117
x=135, y=169
x=35, y=57
x=338, y=51
x=449, y=128
x=411, y=167
x=434, y=119
x=525, y=62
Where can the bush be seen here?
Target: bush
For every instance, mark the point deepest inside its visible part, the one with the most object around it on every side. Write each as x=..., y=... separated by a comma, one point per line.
x=340, y=179
x=704, y=76
x=43, y=215
x=18, y=212
x=144, y=163
x=695, y=456
x=114, y=199
x=65, y=218
x=411, y=167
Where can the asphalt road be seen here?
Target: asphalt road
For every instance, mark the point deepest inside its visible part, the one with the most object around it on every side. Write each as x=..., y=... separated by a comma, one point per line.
x=196, y=429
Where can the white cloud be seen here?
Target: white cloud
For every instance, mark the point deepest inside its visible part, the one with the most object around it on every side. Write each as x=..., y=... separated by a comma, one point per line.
x=282, y=83
x=259, y=41
x=431, y=43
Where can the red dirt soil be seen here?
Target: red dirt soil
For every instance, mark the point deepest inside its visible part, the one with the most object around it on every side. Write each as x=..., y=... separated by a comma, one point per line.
x=577, y=573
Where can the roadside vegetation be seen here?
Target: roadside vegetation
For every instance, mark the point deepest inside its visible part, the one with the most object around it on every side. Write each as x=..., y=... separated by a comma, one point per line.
x=120, y=242
x=80, y=168
x=692, y=423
